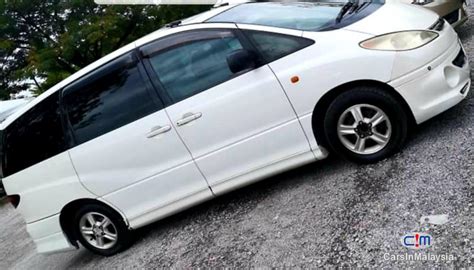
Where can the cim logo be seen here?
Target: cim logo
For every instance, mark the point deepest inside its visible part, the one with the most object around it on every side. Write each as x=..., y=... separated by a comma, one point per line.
x=417, y=240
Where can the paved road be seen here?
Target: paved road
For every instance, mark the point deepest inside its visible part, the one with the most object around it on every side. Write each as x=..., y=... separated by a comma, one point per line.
x=330, y=213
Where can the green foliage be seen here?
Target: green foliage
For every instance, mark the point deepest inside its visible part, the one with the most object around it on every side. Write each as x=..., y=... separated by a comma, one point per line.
x=43, y=42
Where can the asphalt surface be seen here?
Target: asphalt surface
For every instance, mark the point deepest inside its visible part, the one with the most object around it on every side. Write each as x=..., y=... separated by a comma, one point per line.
x=330, y=213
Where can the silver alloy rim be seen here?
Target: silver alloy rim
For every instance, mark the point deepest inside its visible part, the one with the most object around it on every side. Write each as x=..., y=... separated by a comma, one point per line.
x=364, y=129
x=98, y=230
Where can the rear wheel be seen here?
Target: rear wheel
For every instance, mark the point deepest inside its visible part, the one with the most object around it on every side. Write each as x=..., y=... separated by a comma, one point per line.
x=101, y=230
x=365, y=125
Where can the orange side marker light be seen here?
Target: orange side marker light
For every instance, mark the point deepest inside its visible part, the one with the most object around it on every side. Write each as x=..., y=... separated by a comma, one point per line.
x=295, y=79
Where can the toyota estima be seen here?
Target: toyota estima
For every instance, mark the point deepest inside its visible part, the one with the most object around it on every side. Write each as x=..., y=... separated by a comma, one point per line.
x=218, y=101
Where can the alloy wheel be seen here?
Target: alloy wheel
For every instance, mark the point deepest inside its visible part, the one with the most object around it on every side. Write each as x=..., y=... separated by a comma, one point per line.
x=98, y=230
x=364, y=129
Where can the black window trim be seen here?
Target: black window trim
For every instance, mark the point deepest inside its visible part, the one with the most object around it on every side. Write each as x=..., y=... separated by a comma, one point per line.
x=157, y=85
x=67, y=129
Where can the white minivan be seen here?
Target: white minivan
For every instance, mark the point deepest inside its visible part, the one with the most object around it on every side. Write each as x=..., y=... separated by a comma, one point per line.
x=218, y=101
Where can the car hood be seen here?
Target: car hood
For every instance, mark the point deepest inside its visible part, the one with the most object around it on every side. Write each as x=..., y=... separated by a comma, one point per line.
x=394, y=18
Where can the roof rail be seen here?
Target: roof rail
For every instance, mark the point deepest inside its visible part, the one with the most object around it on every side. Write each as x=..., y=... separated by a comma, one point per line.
x=173, y=24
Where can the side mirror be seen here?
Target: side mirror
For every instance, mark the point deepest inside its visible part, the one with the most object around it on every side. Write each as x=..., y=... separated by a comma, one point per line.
x=241, y=60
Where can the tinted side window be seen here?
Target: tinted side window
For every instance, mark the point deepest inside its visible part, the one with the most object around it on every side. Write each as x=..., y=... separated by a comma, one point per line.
x=36, y=136
x=195, y=65
x=274, y=46
x=111, y=97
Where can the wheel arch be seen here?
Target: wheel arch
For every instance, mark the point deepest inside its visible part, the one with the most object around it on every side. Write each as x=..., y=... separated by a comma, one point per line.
x=67, y=215
x=319, y=111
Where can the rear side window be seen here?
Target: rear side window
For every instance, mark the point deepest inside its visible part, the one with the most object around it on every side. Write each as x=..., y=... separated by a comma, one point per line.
x=111, y=97
x=34, y=137
x=274, y=46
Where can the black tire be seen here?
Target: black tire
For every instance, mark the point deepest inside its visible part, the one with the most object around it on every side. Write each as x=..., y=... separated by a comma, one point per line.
x=372, y=96
x=123, y=234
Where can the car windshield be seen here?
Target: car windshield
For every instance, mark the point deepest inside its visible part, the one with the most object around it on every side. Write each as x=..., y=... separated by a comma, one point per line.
x=306, y=16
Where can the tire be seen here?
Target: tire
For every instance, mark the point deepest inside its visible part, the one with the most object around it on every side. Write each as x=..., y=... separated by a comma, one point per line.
x=378, y=132
x=114, y=227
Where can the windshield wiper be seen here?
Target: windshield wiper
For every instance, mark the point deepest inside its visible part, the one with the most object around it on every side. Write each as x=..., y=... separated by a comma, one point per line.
x=351, y=5
x=363, y=5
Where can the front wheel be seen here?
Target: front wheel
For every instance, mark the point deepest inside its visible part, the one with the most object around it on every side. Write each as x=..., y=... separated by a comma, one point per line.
x=365, y=125
x=101, y=230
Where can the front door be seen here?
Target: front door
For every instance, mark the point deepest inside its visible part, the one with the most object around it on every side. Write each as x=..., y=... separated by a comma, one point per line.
x=233, y=124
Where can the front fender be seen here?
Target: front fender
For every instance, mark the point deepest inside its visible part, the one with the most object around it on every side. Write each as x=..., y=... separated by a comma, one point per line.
x=335, y=59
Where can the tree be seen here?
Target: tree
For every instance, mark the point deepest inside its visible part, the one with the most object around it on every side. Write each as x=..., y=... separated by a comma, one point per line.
x=43, y=42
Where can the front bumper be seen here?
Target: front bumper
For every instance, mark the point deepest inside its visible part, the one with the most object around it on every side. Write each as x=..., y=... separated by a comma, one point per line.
x=437, y=86
x=48, y=235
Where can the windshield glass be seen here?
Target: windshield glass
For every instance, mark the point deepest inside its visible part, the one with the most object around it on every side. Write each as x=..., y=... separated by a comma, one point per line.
x=306, y=16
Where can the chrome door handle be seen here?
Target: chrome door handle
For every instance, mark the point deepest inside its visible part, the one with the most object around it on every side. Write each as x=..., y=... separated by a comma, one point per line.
x=188, y=117
x=155, y=131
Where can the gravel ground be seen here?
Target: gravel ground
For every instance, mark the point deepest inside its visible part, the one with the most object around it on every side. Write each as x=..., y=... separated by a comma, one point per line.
x=331, y=213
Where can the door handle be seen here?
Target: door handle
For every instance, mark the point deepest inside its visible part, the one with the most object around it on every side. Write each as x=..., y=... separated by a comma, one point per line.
x=188, y=117
x=155, y=131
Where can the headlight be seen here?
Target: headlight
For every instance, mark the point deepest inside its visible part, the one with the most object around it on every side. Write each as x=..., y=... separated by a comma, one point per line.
x=400, y=41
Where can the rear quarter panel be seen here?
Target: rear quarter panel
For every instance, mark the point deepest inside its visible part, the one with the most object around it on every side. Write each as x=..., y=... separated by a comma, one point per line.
x=45, y=188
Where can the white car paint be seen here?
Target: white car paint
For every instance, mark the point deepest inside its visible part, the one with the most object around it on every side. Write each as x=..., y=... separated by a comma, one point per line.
x=231, y=148
x=52, y=183
x=45, y=189
x=435, y=86
x=139, y=174
x=418, y=19
x=146, y=179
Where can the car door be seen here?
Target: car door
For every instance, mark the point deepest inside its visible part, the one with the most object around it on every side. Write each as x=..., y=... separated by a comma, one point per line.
x=126, y=150
x=235, y=125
